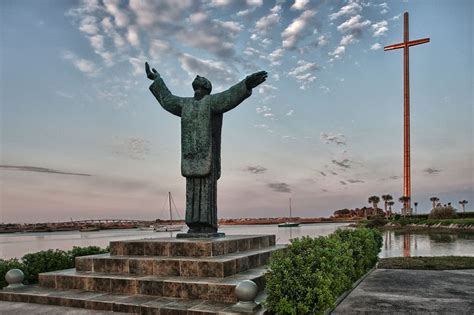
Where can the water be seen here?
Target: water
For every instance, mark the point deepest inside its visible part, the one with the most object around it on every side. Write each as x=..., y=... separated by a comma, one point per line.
x=395, y=244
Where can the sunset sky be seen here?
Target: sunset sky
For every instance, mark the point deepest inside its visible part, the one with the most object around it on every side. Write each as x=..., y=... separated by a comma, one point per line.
x=82, y=137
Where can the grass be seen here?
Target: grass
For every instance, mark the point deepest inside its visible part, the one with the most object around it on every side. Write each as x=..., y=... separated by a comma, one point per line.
x=427, y=263
x=462, y=221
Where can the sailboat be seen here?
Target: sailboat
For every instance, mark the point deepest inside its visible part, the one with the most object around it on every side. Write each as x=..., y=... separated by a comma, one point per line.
x=169, y=227
x=289, y=223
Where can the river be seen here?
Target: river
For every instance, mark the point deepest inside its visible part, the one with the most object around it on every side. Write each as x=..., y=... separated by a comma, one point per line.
x=395, y=244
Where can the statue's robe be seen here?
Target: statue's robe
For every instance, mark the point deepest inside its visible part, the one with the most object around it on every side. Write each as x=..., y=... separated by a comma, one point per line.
x=201, y=126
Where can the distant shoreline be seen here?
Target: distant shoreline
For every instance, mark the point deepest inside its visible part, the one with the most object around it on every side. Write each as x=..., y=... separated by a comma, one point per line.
x=89, y=225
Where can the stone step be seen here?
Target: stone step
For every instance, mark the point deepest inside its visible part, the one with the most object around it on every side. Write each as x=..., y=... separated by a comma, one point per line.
x=138, y=304
x=206, y=266
x=204, y=288
x=190, y=247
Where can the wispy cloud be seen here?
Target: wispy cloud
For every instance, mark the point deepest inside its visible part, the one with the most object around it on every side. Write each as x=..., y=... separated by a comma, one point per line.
x=375, y=46
x=134, y=148
x=431, y=170
x=329, y=137
x=344, y=163
x=256, y=169
x=304, y=73
x=354, y=181
x=86, y=66
x=39, y=170
x=280, y=187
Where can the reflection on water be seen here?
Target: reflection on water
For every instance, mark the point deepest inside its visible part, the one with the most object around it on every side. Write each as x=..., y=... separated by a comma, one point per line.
x=395, y=243
x=426, y=244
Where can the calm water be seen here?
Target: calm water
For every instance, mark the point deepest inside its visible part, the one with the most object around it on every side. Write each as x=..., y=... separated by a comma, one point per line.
x=18, y=244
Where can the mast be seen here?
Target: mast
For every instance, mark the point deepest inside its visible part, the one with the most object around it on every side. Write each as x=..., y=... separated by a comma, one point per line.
x=169, y=202
x=290, y=209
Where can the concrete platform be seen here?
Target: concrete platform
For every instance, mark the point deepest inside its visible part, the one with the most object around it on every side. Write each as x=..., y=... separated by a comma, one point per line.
x=157, y=276
x=402, y=291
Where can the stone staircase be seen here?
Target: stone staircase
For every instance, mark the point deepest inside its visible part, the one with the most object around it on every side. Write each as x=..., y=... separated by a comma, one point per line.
x=157, y=276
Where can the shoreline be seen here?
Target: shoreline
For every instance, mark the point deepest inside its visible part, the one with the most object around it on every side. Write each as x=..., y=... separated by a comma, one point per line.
x=452, y=228
x=67, y=227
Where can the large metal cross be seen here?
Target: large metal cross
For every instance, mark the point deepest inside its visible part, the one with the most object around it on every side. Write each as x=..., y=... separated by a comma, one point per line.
x=406, y=107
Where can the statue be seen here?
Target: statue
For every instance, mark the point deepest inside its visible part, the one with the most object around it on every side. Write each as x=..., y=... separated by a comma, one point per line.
x=201, y=125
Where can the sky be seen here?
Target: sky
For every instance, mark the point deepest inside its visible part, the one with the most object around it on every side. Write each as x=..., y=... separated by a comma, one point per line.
x=82, y=137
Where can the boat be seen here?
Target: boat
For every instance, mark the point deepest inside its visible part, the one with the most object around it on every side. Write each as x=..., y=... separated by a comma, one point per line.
x=89, y=229
x=169, y=227
x=289, y=223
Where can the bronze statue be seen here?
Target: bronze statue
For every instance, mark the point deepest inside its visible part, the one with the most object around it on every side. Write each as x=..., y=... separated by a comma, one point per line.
x=201, y=126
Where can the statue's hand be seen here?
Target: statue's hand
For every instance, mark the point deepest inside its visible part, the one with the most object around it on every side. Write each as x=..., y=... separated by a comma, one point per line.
x=255, y=79
x=153, y=74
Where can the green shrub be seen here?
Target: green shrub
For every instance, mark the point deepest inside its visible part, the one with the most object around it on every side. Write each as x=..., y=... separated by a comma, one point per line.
x=44, y=261
x=6, y=265
x=310, y=275
x=443, y=213
x=376, y=221
x=365, y=245
x=85, y=251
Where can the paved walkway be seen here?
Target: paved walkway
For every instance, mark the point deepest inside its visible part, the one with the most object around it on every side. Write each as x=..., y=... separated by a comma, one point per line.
x=14, y=308
x=402, y=291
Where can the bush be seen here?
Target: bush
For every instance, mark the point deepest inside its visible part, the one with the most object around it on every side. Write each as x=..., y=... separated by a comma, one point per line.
x=310, y=275
x=85, y=251
x=6, y=265
x=376, y=221
x=45, y=261
x=443, y=213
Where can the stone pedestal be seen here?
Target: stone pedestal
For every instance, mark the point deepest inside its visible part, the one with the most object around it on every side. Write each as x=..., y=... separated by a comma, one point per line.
x=155, y=275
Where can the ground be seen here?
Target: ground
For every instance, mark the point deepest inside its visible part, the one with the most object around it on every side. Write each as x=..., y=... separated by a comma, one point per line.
x=403, y=291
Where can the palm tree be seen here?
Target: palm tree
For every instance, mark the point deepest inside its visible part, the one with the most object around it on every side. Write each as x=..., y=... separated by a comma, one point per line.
x=463, y=203
x=390, y=204
x=386, y=198
x=416, y=205
x=434, y=200
x=404, y=200
x=374, y=200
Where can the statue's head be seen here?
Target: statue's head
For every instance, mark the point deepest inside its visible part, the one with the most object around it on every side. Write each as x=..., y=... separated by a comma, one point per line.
x=201, y=87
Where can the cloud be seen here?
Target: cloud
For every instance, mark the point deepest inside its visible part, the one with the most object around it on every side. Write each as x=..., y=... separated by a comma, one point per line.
x=132, y=36
x=294, y=32
x=350, y=9
x=217, y=70
x=290, y=112
x=338, y=52
x=120, y=17
x=342, y=182
x=275, y=56
x=299, y=4
x=39, y=170
x=304, y=73
x=396, y=17
x=280, y=187
x=395, y=177
x=134, y=148
x=266, y=23
x=86, y=66
x=354, y=25
x=333, y=173
x=328, y=138
x=431, y=170
x=263, y=109
x=344, y=163
x=256, y=169
x=353, y=181
x=379, y=28
x=347, y=39
x=375, y=46
x=261, y=126
x=322, y=173
x=265, y=88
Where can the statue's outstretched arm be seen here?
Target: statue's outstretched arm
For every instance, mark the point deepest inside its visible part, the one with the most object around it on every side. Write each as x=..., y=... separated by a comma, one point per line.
x=167, y=100
x=227, y=100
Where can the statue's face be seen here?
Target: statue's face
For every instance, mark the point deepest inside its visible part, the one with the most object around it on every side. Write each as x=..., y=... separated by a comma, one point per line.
x=199, y=90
